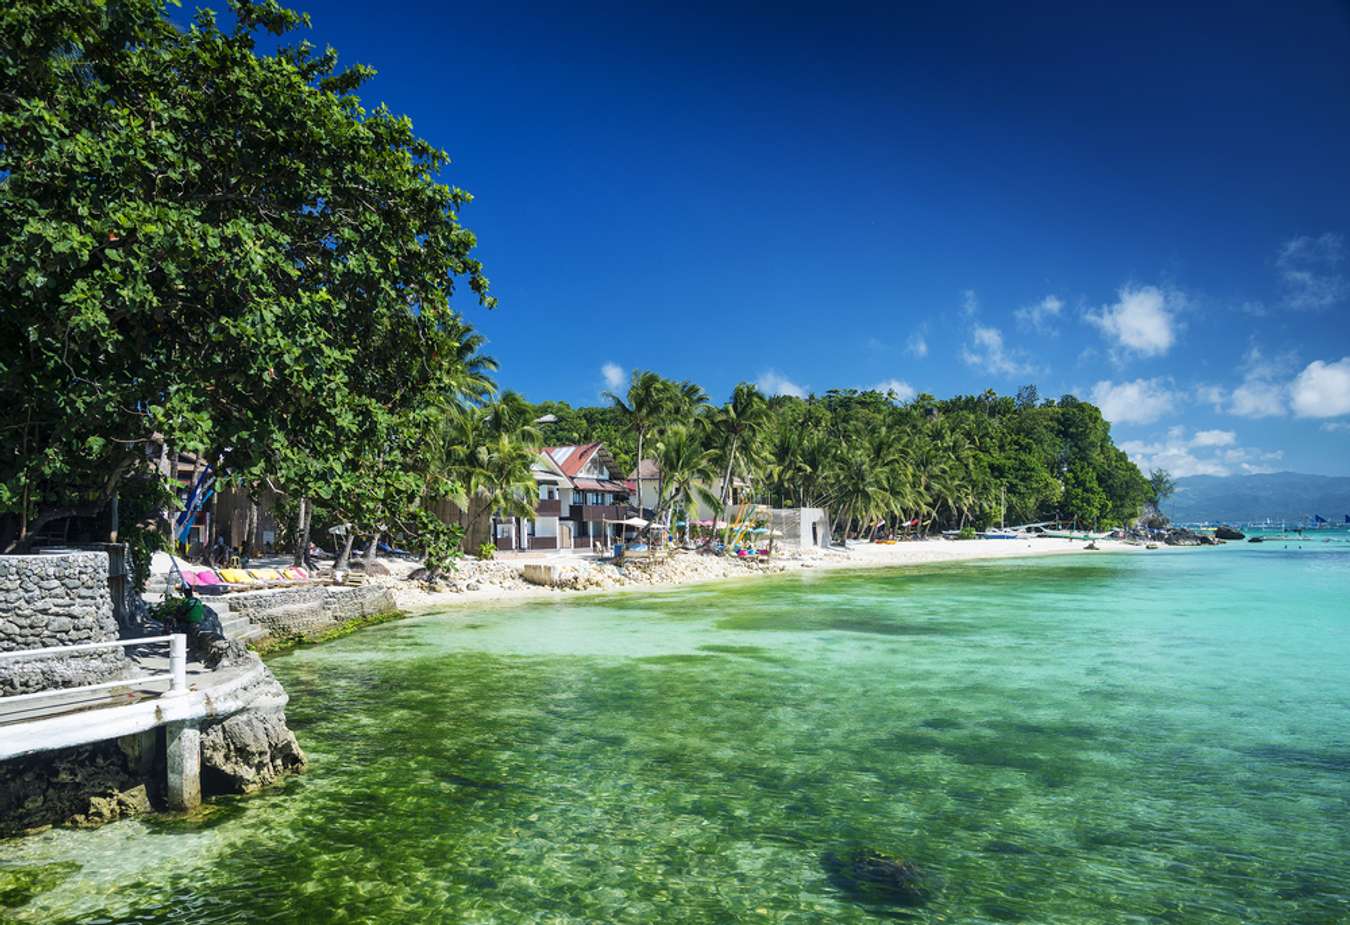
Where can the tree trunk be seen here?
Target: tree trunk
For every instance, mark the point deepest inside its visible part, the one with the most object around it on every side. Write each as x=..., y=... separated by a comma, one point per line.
x=639, y=474
x=248, y=548
x=726, y=491
x=372, y=548
x=344, y=557
x=301, y=533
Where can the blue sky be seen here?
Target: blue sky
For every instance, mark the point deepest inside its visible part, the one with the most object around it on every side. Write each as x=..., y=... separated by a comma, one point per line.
x=1149, y=207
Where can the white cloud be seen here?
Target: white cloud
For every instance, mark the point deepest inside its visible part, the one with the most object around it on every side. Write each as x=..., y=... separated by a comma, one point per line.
x=616, y=380
x=1262, y=393
x=1173, y=456
x=970, y=305
x=773, y=382
x=1041, y=316
x=987, y=352
x=1183, y=456
x=917, y=345
x=903, y=390
x=1142, y=322
x=1322, y=390
x=1336, y=427
x=1257, y=398
x=1213, y=395
x=1214, y=438
x=1141, y=401
x=1309, y=269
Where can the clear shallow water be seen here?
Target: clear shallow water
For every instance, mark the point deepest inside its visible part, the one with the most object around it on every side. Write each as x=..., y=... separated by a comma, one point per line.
x=1117, y=739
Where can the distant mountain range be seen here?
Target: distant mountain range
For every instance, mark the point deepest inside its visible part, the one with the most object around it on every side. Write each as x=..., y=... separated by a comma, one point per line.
x=1288, y=496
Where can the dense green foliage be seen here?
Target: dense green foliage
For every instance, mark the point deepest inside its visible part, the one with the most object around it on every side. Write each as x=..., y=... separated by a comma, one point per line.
x=222, y=251
x=965, y=461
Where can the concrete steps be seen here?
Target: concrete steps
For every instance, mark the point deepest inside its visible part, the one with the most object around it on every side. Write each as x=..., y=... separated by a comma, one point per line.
x=234, y=625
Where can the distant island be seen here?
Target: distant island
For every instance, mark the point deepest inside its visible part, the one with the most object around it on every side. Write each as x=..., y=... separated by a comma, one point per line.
x=1280, y=496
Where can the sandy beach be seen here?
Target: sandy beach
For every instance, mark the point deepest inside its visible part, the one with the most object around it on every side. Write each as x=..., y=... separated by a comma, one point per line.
x=486, y=582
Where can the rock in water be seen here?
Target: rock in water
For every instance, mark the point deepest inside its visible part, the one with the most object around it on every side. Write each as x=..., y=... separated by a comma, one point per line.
x=253, y=748
x=870, y=877
x=1228, y=533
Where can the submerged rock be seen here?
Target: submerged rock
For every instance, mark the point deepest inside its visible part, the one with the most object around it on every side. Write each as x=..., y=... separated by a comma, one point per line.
x=871, y=877
x=83, y=786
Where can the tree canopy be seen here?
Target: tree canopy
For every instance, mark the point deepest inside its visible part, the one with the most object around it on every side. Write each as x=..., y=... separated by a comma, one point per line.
x=970, y=460
x=218, y=249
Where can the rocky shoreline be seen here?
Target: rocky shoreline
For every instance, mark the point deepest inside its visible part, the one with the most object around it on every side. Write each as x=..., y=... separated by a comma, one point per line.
x=497, y=580
x=89, y=785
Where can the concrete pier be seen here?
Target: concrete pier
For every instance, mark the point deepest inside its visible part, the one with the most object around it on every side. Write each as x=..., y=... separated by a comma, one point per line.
x=183, y=765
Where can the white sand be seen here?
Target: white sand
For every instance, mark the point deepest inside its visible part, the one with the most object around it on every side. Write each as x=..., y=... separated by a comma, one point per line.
x=478, y=583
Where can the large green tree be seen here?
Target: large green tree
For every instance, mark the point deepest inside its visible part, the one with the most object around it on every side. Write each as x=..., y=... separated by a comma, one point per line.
x=214, y=247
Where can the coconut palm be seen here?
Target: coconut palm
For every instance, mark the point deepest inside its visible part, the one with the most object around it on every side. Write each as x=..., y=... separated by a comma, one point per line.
x=734, y=431
x=646, y=406
x=513, y=416
x=687, y=469
x=859, y=490
x=486, y=472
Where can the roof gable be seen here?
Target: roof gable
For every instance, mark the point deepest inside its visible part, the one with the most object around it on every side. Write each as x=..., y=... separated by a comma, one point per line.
x=572, y=459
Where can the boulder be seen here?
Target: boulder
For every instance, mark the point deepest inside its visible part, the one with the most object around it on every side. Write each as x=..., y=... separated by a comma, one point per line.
x=547, y=574
x=253, y=748
x=1182, y=538
x=1228, y=533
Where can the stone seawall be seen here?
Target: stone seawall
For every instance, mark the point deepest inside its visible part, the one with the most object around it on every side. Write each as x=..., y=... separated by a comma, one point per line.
x=56, y=600
x=297, y=614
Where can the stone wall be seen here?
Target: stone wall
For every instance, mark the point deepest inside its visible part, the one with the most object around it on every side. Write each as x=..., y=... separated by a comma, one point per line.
x=56, y=600
x=302, y=613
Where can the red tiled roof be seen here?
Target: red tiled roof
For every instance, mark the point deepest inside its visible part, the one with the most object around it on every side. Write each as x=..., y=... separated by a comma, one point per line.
x=571, y=459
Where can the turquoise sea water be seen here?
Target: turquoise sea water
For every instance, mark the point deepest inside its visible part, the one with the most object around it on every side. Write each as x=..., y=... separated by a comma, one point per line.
x=1151, y=738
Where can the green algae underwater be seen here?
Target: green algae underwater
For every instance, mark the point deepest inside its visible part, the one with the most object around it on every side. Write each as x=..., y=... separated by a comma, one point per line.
x=1115, y=739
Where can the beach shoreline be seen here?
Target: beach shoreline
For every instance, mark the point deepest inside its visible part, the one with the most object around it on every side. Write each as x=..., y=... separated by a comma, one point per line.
x=689, y=569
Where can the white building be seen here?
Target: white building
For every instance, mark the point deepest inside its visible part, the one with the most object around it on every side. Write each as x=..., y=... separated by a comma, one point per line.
x=580, y=503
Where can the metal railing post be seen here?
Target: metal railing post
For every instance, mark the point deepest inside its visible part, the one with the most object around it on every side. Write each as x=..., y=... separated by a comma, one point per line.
x=178, y=663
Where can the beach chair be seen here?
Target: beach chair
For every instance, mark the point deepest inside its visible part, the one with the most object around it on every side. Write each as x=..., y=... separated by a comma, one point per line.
x=273, y=578
x=237, y=579
x=202, y=580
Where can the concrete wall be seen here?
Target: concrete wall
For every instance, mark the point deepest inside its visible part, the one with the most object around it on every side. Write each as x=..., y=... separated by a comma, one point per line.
x=794, y=527
x=299, y=613
x=56, y=600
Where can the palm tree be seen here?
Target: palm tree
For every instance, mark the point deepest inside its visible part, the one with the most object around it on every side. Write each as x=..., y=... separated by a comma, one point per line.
x=734, y=432
x=471, y=379
x=859, y=489
x=512, y=415
x=645, y=408
x=686, y=471
x=487, y=472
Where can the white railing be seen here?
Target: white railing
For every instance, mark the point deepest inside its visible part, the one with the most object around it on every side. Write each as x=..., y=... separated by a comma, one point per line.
x=176, y=675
